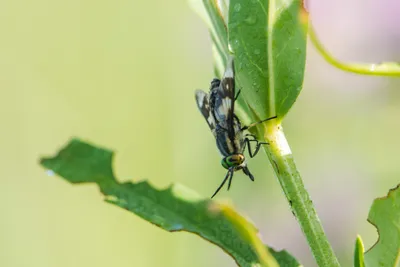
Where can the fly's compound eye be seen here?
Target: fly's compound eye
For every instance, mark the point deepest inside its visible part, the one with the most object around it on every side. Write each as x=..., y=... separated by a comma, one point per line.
x=232, y=161
x=226, y=163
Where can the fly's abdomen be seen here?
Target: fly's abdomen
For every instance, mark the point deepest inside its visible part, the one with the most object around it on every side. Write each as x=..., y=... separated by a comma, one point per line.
x=226, y=145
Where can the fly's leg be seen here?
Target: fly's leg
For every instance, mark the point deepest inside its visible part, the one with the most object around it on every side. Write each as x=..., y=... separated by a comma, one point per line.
x=252, y=135
x=258, y=145
x=228, y=175
x=238, y=93
x=248, y=173
x=255, y=123
x=230, y=181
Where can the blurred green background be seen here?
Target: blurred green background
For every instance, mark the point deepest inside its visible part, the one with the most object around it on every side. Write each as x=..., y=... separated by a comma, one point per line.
x=122, y=75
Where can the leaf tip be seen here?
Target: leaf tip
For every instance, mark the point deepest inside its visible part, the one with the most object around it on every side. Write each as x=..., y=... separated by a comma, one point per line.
x=359, y=253
x=80, y=162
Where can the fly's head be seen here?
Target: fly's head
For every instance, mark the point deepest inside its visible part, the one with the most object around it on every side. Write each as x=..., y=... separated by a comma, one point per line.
x=235, y=161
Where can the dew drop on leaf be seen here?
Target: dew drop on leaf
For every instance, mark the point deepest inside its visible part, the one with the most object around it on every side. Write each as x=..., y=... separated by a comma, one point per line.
x=50, y=172
x=237, y=7
x=251, y=20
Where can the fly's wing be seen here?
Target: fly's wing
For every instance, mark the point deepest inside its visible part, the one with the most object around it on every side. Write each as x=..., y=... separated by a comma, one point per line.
x=224, y=99
x=204, y=107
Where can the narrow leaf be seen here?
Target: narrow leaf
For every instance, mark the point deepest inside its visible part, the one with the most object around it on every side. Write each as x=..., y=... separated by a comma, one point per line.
x=385, y=216
x=215, y=14
x=359, y=253
x=173, y=209
x=212, y=14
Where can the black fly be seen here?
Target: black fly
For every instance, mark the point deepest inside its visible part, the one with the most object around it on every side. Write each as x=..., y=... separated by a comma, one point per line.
x=218, y=108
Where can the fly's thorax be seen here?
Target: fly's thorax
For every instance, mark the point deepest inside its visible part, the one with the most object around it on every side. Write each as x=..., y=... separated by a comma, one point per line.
x=215, y=84
x=236, y=161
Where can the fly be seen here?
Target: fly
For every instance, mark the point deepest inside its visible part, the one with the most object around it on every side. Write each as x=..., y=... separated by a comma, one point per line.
x=218, y=108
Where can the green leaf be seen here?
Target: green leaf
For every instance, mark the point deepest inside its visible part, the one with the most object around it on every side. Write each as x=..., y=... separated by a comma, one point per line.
x=248, y=232
x=269, y=43
x=359, y=253
x=173, y=209
x=284, y=259
x=385, y=216
x=269, y=48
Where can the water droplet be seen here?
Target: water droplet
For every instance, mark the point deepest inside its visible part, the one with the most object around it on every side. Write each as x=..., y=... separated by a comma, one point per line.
x=237, y=7
x=257, y=51
x=177, y=226
x=50, y=172
x=251, y=20
x=233, y=45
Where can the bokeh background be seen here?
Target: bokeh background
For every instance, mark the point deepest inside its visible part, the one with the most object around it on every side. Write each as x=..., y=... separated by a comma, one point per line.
x=121, y=74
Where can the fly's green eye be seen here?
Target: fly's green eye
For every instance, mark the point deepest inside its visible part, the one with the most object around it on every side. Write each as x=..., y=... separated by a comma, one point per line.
x=225, y=163
x=232, y=161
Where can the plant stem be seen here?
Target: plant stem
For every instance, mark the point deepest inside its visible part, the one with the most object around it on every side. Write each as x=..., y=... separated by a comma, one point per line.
x=382, y=69
x=285, y=168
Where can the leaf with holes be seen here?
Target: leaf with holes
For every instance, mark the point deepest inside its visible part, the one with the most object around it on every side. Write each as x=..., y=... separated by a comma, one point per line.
x=385, y=216
x=174, y=209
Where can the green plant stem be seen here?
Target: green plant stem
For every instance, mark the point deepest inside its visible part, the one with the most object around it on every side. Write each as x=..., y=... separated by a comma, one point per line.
x=285, y=168
x=383, y=69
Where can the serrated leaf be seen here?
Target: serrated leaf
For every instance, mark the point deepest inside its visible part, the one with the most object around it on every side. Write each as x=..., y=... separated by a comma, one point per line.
x=269, y=43
x=359, y=253
x=173, y=209
x=385, y=216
